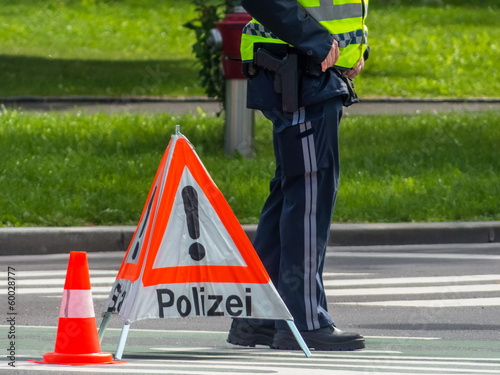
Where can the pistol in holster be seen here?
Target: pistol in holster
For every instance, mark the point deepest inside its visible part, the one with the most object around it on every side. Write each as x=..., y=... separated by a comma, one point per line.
x=286, y=79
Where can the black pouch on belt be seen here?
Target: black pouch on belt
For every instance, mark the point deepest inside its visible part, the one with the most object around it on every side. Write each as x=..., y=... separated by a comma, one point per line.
x=353, y=97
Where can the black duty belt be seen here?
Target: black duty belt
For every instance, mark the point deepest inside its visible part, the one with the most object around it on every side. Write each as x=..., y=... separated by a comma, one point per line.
x=304, y=62
x=288, y=63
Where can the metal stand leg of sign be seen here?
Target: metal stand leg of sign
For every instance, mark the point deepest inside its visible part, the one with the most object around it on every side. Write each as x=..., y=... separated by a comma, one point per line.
x=299, y=338
x=121, y=343
x=104, y=324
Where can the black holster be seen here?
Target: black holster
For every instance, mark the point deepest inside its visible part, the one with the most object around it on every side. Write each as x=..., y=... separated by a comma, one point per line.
x=286, y=79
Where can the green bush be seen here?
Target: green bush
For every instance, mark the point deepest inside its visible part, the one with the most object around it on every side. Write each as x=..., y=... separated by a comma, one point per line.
x=209, y=12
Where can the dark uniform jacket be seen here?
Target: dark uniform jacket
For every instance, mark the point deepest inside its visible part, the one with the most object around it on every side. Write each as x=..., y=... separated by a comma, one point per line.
x=288, y=21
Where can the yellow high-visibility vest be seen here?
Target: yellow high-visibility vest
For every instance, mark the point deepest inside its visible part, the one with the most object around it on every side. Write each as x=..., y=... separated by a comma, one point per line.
x=344, y=19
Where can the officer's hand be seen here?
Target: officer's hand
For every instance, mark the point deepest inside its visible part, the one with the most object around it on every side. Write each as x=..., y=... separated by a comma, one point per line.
x=352, y=73
x=332, y=57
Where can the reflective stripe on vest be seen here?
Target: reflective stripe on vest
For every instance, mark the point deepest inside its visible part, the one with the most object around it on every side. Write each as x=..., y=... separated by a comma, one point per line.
x=332, y=12
x=344, y=19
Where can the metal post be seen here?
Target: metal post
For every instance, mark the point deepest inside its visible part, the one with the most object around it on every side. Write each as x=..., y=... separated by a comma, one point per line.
x=103, y=325
x=239, y=122
x=299, y=338
x=122, y=341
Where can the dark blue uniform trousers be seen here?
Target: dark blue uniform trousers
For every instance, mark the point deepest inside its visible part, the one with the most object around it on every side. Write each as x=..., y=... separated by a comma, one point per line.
x=293, y=230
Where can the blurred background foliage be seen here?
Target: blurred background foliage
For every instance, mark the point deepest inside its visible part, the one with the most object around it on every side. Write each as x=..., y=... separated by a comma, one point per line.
x=433, y=48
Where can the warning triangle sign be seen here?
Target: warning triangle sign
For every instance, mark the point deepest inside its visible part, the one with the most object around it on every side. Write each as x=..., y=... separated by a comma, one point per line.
x=189, y=255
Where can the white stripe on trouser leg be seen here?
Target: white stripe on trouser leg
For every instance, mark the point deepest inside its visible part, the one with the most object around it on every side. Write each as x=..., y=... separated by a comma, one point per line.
x=77, y=303
x=310, y=251
x=299, y=116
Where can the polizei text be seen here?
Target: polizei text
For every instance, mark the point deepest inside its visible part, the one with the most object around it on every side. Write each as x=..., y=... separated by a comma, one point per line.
x=200, y=304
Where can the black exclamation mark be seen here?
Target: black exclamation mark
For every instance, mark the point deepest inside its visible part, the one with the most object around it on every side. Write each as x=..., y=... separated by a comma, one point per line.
x=190, y=199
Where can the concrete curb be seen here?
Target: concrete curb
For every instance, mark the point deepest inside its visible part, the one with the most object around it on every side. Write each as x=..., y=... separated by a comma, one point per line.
x=193, y=99
x=180, y=106
x=96, y=99
x=414, y=233
x=54, y=240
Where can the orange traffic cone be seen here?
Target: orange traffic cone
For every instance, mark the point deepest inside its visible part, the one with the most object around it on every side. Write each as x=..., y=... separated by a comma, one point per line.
x=77, y=342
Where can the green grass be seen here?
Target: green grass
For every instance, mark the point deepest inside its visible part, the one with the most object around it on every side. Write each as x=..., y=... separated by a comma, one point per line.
x=424, y=49
x=123, y=78
x=420, y=168
x=432, y=49
x=72, y=169
x=113, y=48
x=97, y=30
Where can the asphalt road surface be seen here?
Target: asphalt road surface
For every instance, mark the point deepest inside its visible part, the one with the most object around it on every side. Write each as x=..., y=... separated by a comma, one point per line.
x=426, y=309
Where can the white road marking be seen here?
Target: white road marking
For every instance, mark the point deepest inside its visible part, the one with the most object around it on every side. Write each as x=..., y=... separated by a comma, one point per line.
x=40, y=291
x=441, y=303
x=344, y=274
x=373, y=254
x=443, y=289
x=412, y=280
x=93, y=281
x=237, y=365
x=52, y=273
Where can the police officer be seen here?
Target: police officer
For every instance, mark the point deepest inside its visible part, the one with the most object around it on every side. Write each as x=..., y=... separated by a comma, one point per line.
x=300, y=57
